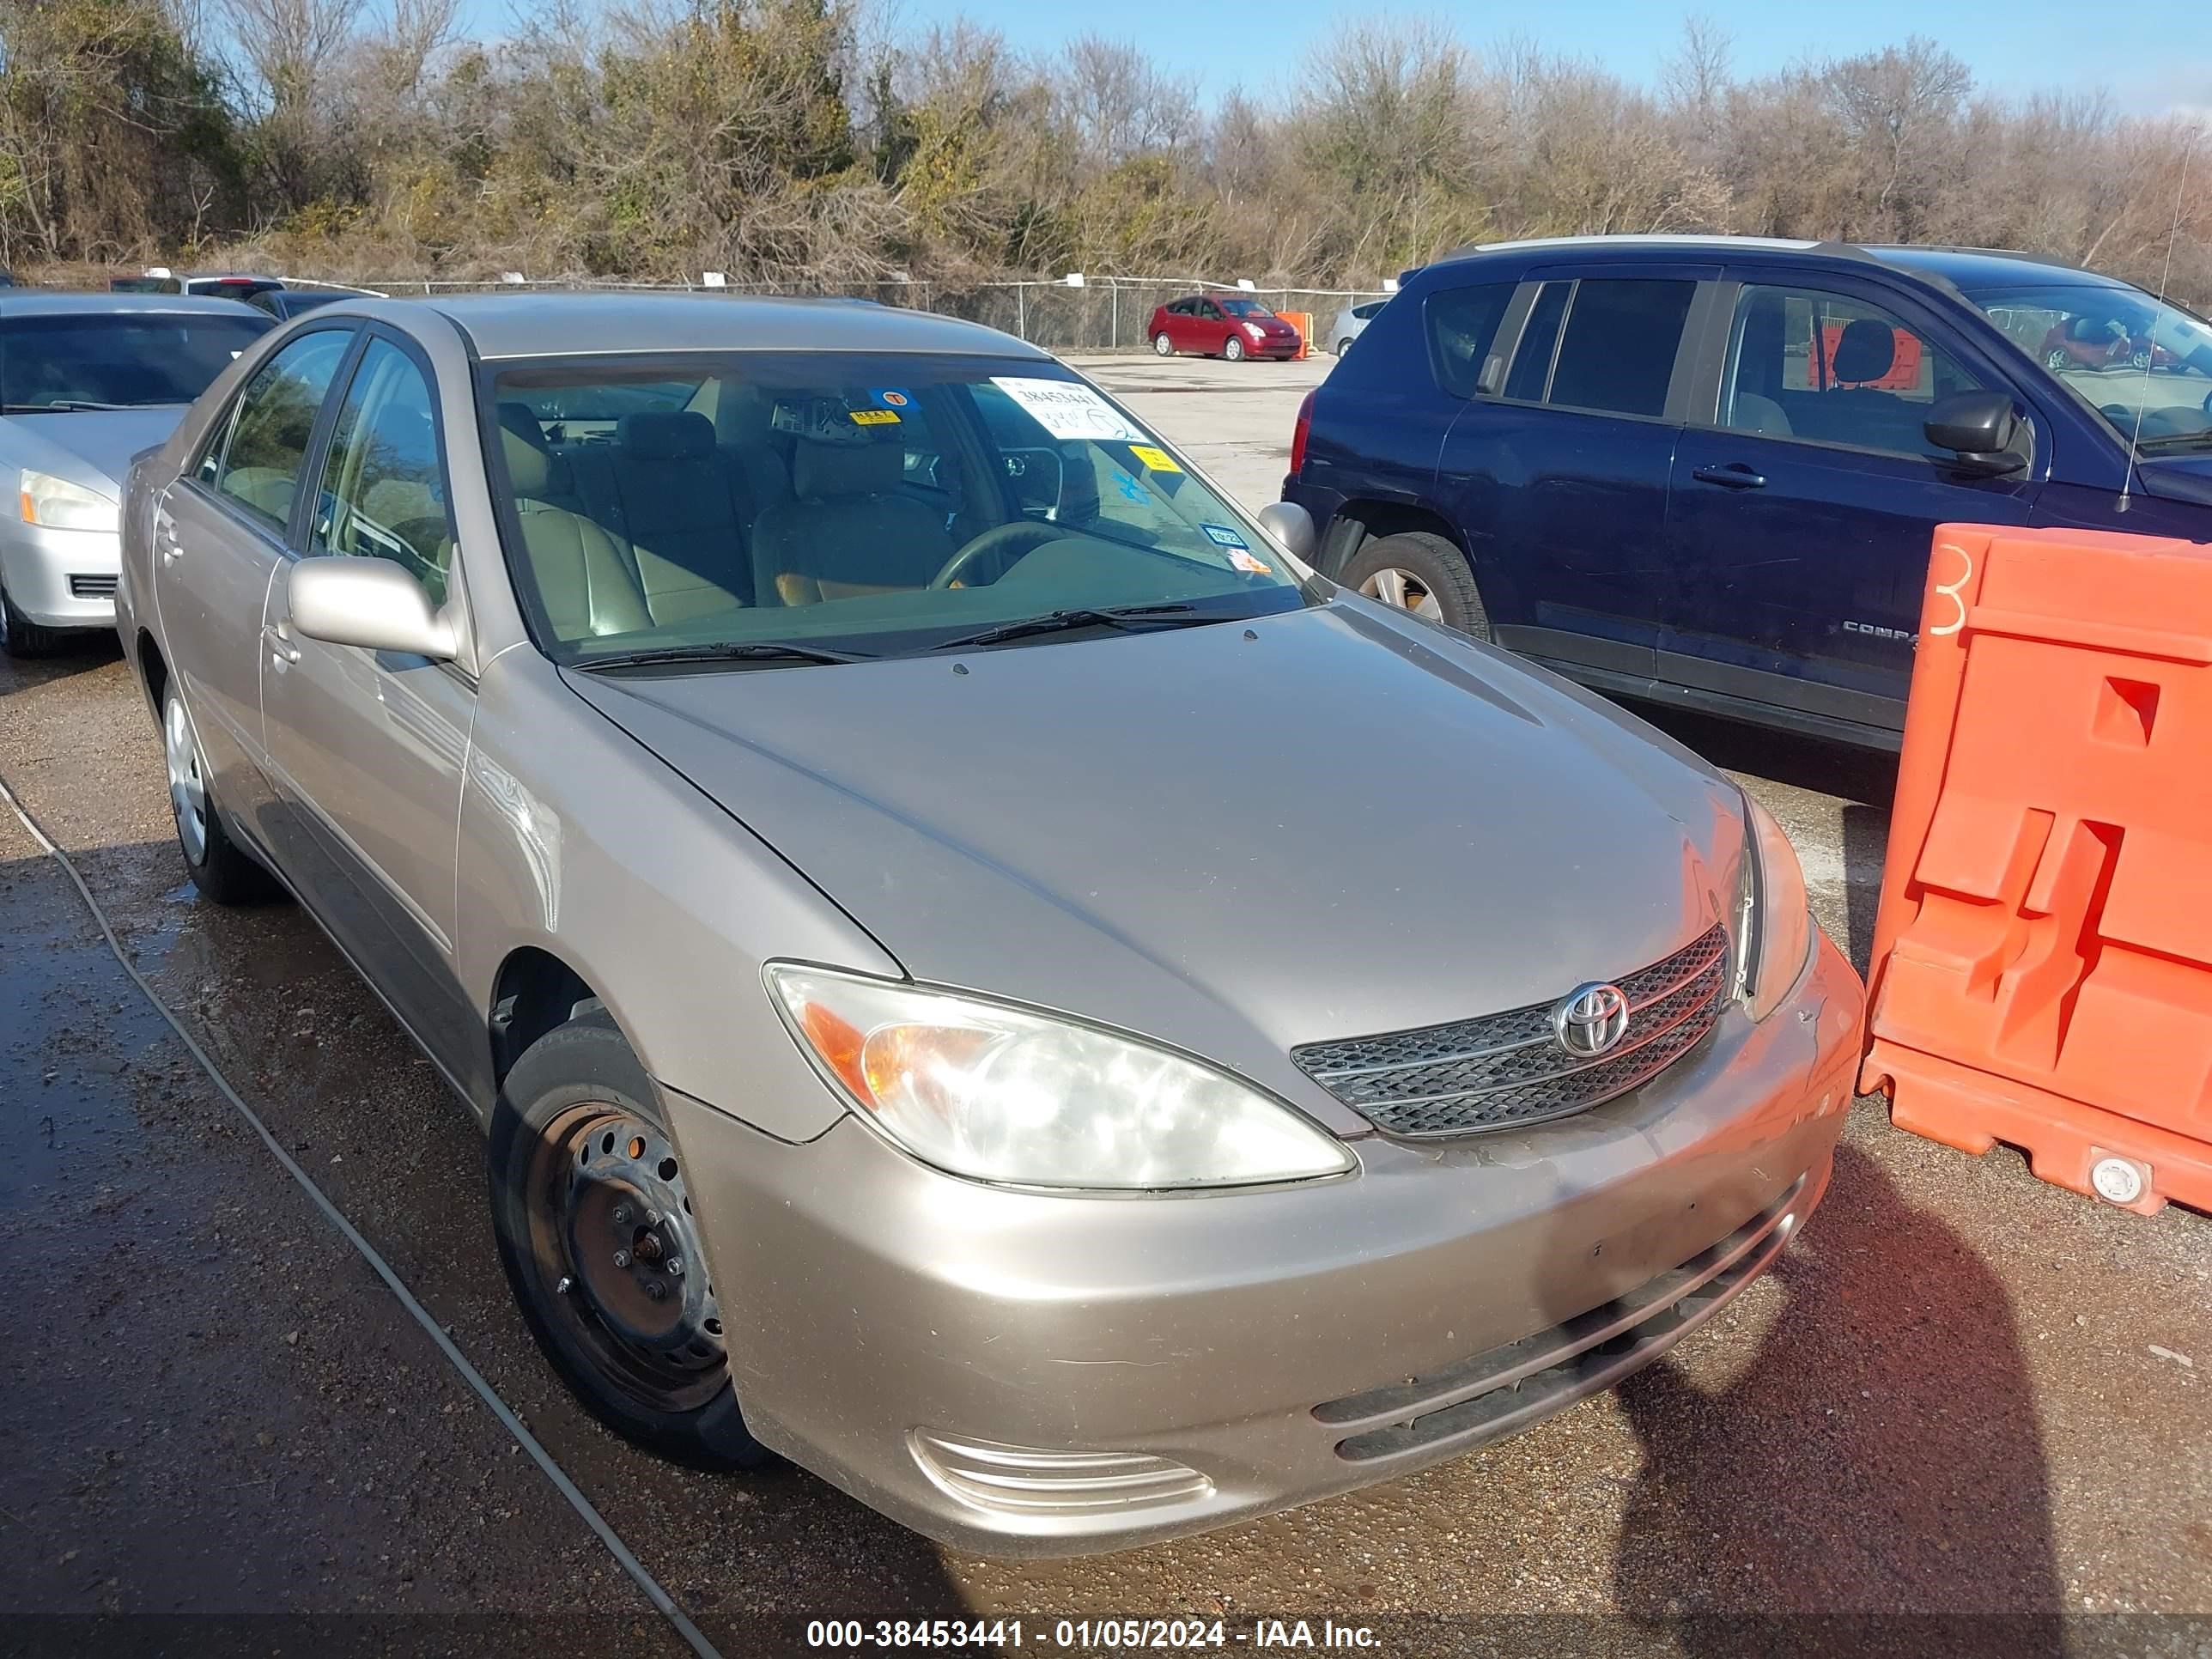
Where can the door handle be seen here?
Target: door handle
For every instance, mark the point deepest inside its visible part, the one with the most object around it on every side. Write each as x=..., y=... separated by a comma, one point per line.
x=278, y=638
x=165, y=539
x=1734, y=477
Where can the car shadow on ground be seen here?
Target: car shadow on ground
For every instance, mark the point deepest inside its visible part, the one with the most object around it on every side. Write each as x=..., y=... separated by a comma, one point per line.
x=1872, y=1480
x=93, y=648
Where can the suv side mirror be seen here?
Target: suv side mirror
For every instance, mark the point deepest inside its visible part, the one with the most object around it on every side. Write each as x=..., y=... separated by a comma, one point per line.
x=370, y=603
x=1978, y=428
x=1293, y=525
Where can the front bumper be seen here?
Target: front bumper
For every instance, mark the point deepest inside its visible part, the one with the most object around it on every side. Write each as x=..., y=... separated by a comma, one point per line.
x=1029, y=1374
x=61, y=578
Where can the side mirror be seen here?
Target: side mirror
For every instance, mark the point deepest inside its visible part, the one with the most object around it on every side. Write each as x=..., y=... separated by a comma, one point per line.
x=1978, y=428
x=1293, y=525
x=370, y=603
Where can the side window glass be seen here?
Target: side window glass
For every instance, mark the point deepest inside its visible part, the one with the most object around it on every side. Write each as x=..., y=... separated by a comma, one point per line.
x=1462, y=322
x=1617, y=353
x=1531, y=375
x=1832, y=369
x=260, y=467
x=1209, y=311
x=384, y=486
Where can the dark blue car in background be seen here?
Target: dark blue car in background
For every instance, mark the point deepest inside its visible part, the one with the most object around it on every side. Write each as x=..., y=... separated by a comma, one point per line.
x=1705, y=470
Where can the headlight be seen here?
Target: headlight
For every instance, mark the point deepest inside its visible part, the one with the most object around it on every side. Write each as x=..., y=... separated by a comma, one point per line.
x=1773, y=918
x=1255, y=330
x=1001, y=1094
x=57, y=504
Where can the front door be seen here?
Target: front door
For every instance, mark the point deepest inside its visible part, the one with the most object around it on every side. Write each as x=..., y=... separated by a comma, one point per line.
x=218, y=533
x=367, y=748
x=1802, y=512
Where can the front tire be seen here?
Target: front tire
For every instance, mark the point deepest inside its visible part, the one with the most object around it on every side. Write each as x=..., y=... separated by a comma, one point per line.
x=1162, y=346
x=224, y=871
x=1422, y=573
x=1234, y=350
x=1344, y=345
x=24, y=639
x=593, y=1218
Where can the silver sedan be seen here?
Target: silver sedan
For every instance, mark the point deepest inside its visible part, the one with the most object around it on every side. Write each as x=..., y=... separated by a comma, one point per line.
x=982, y=974
x=86, y=381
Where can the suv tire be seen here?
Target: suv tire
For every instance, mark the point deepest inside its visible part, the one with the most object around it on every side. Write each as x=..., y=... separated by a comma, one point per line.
x=1419, y=571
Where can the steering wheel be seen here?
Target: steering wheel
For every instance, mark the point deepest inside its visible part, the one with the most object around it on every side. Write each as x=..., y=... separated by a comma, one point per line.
x=993, y=540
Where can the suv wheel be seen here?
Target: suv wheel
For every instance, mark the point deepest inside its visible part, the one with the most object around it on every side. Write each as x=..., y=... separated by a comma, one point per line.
x=593, y=1218
x=1423, y=574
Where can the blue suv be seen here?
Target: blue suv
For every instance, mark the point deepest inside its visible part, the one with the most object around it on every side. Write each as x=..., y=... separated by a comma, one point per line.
x=1704, y=471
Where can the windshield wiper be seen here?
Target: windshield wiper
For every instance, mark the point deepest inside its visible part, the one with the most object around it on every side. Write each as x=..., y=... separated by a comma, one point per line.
x=1135, y=616
x=726, y=651
x=60, y=405
x=2176, y=440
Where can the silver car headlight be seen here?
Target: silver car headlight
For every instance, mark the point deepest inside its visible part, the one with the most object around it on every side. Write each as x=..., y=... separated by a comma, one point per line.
x=1773, y=916
x=1002, y=1094
x=55, y=503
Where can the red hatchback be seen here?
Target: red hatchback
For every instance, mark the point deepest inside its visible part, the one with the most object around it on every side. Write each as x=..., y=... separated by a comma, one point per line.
x=1222, y=326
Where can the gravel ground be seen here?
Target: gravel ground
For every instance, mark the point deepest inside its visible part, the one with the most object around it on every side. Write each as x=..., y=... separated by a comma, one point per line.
x=1944, y=1425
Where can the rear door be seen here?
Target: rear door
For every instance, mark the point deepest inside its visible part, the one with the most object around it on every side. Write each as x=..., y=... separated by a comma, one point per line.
x=1805, y=493
x=1558, y=468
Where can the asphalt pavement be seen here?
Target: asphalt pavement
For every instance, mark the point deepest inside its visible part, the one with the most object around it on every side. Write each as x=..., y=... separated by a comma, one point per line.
x=1969, y=1413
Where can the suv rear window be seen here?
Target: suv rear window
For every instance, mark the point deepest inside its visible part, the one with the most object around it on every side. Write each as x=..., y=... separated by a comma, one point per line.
x=1615, y=351
x=1461, y=324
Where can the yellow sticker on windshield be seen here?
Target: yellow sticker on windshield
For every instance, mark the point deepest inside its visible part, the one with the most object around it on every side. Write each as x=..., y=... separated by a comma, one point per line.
x=1156, y=461
x=875, y=417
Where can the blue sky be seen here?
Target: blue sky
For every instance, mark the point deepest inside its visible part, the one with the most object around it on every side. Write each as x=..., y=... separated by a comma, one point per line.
x=2151, y=60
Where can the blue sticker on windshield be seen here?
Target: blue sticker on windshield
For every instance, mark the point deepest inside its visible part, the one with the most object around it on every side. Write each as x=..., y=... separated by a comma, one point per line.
x=1223, y=536
x=892, y=398
x=1131, y=490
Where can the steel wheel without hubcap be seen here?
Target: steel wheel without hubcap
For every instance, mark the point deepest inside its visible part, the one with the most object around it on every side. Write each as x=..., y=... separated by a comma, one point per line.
x=187, y=787
x=1405, y=590
x=613, y=1241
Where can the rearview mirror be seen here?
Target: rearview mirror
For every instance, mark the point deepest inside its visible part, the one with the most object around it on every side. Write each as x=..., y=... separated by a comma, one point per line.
x=1978, y=428
x=1291, y=525
x=370, y=603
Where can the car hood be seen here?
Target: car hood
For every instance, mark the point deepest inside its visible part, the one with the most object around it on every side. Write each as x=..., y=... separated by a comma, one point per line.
x=90, y=446
x=2178, y=477
x=1236, y=838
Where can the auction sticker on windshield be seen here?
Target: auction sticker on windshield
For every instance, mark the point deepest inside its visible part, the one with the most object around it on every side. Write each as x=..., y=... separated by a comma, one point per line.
x=1156, y=461
x=1067, y=409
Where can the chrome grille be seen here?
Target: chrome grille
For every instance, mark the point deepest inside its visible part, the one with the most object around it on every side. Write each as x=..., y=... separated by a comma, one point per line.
x=92, y=587
x=1501, y=1071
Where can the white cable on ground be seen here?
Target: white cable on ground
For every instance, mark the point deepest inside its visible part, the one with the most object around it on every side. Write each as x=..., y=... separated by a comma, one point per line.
x=645, y=1581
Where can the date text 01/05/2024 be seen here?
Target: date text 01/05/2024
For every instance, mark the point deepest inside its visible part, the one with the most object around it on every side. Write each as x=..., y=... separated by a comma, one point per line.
x=1102, y=1635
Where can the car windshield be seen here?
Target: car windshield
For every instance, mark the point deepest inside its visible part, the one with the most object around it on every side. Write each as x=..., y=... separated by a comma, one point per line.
x=2134, y=358
x=1245, y=309
x=117, y=359
x=871, y=506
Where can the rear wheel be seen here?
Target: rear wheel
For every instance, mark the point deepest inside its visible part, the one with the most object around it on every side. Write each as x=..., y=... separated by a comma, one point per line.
x=1234, y=350
x=1422, y=573
x=593, y=1214
x=22, y=637
x=222, y=870
x=1344, y=345
x=1162, y=345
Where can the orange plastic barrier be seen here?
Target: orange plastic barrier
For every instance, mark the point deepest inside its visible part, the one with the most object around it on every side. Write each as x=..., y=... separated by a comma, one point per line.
x=1301, y=321
x=1904, y=366
x=2042, y=969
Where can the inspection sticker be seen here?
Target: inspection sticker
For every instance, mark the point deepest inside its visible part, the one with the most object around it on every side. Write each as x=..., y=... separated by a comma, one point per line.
x=891, y=397
x=1067, y=408
x=1242, y=559
x=1222, y=536
x=1156, y=460
x=875, y=417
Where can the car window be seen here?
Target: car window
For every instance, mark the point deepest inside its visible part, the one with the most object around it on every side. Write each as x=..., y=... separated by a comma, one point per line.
x=1531, y=374
x=1461, y=322
x=260, y=467
x=1617, y=349
x=384, y=491
x=2143, y=363
x=119, y=359
x=1830, y=367
x=831, y=505
x=1368, y=310
x=1207, y=309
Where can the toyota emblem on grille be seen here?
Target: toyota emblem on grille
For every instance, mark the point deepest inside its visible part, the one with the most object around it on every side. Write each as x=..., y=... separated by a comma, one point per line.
x=1590, y=1020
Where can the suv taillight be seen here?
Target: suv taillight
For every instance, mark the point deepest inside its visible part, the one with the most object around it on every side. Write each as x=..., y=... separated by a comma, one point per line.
x=1298, y=434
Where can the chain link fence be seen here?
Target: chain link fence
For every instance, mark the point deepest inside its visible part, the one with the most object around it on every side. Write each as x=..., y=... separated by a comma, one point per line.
x=1104, y=314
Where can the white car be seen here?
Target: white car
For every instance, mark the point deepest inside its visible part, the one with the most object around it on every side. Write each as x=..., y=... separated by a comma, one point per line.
x=87, y=382
x=1351, y=322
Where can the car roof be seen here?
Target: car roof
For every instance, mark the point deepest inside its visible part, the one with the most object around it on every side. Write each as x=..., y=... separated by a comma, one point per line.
x=552, y=325
x=1962, y=268
x=50, y=302
x=1967, y=268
